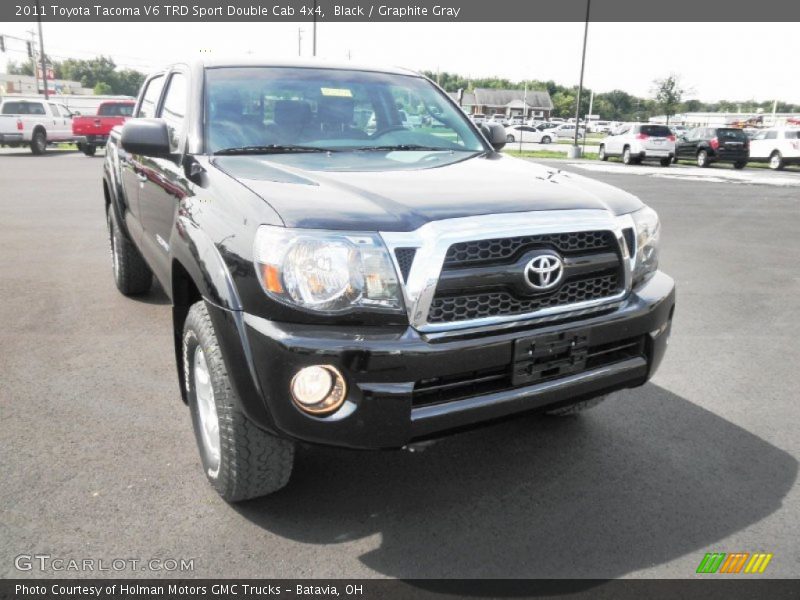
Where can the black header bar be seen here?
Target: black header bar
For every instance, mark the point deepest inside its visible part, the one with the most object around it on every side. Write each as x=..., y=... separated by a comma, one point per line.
x=398, y=11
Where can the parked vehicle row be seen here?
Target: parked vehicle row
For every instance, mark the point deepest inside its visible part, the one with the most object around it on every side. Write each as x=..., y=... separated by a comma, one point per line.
x=637, y=142
x=37, y=123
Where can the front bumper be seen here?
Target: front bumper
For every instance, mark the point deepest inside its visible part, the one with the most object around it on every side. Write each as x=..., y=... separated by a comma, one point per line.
x=387, y=369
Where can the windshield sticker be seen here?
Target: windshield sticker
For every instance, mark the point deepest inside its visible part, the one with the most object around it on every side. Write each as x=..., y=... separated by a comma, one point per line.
x=337, y=92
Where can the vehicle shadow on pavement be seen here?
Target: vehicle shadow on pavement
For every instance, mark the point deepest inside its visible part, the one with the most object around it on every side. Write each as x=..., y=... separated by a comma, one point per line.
x=643, y=479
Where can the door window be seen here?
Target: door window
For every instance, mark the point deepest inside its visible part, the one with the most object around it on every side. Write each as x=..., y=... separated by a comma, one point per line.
x=173, y=110
x=150, y=98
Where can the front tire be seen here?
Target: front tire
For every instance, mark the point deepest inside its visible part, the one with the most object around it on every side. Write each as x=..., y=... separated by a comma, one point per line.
x=574, y=409
x=89, y=149
x=131, y=273
x=39, y=142
x=546, y=139
x=601, y=153
x=741, y=164
x=702, y=159
x=776, y=162
x=665, y=162
x=240, y=460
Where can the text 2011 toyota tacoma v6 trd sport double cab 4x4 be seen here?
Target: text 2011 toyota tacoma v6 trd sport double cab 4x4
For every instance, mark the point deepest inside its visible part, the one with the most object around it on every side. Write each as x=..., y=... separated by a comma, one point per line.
x=341, y=276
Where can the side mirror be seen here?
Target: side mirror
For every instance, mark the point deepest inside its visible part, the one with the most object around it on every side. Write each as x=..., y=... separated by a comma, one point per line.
x=495, y=134
x=77, y=113
x=149, y=137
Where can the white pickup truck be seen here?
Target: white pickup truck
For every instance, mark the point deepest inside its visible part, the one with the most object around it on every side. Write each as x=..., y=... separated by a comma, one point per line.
x=778, y=147
x=34, y=123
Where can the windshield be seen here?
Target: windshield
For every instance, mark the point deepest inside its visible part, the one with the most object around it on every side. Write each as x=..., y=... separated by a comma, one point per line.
x=115, y=110
x=731, y=134
x=274, y=109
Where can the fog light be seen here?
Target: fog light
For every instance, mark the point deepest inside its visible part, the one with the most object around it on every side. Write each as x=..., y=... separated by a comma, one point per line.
x=319, y=389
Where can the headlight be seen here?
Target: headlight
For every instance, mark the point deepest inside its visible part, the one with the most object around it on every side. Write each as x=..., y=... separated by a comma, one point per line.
x=648, y=232
x=326, y=271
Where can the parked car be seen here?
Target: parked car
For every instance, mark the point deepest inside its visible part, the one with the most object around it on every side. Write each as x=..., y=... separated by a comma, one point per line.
x=557, y=120
x=567, y=130
x=91, y=132
x=34, y=123
x=342, y=288
x=635, y=142
x=599, y=126
x=500, y=119
x=516, y=120
x=478, y=118
x=706, y=145
x=778, y=147
x=524, y=133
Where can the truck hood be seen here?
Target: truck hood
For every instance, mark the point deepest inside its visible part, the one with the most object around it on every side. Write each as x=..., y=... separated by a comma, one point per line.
x=401, y=191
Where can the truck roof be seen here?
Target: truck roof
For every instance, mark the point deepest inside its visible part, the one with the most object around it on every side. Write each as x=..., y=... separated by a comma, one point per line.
x=212, y=63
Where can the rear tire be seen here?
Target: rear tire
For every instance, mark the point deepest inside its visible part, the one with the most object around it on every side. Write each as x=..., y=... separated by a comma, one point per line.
x=574, y=409
x=740, y=164
x=702, y=159
x=601, y=153
x=546, y=139
x=131, y=273
x=241, y=461
x=89, y=149
x=776, y=162
x=627, y=158
x=39, y=142
x=665, y=162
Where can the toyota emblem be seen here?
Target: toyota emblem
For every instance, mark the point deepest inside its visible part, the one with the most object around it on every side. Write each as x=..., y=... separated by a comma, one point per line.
x=544, y=272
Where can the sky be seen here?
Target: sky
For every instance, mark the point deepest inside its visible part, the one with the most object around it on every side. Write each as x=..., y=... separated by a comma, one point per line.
x=732, y=61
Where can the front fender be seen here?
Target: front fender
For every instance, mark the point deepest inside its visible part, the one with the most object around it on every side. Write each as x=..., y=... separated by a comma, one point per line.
x=199, y=257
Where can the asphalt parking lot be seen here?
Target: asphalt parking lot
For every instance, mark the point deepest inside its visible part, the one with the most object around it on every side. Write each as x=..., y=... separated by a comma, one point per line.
x=99, y=460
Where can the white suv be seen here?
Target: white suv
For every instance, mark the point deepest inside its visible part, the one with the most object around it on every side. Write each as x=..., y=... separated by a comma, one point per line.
x=777, y=147
x=636, y=142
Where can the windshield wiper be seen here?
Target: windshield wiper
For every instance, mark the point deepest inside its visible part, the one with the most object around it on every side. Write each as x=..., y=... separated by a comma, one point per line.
x=403, y=148
x=271, y=149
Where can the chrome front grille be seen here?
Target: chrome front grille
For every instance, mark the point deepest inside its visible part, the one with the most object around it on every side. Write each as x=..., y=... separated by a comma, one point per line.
x=466, y=273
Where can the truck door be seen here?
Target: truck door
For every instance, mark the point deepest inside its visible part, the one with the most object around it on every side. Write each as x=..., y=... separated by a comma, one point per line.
x=130, y=168
x=166, y=183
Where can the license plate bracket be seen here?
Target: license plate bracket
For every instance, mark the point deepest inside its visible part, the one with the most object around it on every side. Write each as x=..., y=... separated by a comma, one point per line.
x=548, y=356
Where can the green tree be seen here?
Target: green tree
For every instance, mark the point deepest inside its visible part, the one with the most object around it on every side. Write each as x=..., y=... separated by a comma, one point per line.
x=23, y=68
x=128, y=82
x=101, y=88
x=668, y=93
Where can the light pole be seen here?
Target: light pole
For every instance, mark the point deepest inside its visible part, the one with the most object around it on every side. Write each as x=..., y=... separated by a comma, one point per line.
x=299, y=41
x=314, y=35
x=575, y=150
x=41, y=50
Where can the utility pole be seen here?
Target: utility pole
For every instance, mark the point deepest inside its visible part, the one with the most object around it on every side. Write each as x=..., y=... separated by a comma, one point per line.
x=299, y=41
x=314, y=36
x=580, y=83
x=41, y=50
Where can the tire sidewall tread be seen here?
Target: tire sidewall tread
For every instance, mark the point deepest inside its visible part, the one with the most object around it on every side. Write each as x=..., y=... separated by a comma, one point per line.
x=253, y=462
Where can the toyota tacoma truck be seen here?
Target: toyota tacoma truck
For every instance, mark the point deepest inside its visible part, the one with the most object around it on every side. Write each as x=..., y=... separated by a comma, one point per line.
x=365, y=287
x=91, y=131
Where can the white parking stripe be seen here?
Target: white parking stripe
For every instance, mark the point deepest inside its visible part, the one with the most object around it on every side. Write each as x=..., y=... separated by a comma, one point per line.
x=684, y=172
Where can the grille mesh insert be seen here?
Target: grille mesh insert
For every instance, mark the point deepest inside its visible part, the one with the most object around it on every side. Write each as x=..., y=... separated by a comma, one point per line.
x=496, y=250
x=492, y=304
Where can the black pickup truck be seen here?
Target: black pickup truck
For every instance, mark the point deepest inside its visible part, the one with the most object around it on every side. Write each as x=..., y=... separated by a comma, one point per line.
x=341, y=276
